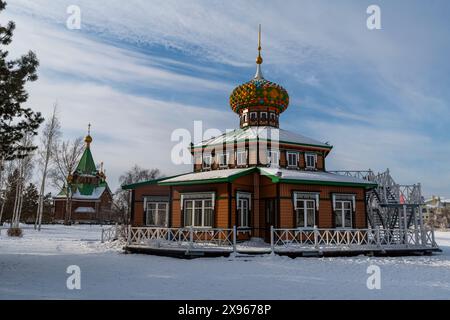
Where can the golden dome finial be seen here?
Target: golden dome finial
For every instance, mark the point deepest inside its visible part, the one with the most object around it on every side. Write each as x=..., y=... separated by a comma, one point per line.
x=259, y=59
x=88, y=139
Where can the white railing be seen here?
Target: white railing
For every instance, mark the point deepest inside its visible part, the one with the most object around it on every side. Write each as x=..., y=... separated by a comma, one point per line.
x=187, y=238
x=284, y=240
x=351, y=239
x=113, y=233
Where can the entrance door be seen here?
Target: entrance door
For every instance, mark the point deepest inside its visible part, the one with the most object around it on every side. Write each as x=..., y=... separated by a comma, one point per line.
x=270, y=216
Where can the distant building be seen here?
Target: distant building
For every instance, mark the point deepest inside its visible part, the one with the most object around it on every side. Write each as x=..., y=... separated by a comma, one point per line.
x=436, y=211
x=91, y=198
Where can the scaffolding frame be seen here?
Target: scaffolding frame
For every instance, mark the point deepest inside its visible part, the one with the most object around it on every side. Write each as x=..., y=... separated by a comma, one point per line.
x=390, y=205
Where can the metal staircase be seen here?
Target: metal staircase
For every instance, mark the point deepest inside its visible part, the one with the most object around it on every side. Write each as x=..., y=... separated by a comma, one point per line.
x=390, y=205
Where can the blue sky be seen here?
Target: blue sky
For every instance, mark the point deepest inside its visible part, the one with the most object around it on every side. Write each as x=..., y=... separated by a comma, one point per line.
x=139, y=71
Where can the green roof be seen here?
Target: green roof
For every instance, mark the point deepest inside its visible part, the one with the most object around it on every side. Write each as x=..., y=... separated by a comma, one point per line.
x=275, y=174
x=86, y=164
x=86, y=189
x=144, y=183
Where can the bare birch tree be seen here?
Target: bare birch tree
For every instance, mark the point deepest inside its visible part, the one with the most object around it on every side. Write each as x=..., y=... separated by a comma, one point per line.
x=66, y=156
x=49, y=140
x=4, y=171
x=25, y=171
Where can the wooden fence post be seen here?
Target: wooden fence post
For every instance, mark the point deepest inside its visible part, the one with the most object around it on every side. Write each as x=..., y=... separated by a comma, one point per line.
x=316, y=238
x=272, y=242
x=234, y=238
x=129, y=235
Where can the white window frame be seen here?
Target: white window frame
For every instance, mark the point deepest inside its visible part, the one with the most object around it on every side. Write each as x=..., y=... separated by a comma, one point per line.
x=342, y=212
x=307, y=155
x=261, y=116
x=306, y=211
x=204, y=164
x=288, y=153
x=203, y=210
x=344, y=198
x=306, y=196
x=227, y=158
x=157, y=209
x=255, y=114
x=272, y=116
x=244, y=117
x=238, y=154
x=270, y=154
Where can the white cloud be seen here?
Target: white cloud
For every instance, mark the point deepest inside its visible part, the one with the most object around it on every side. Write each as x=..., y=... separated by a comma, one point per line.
x=65, y=51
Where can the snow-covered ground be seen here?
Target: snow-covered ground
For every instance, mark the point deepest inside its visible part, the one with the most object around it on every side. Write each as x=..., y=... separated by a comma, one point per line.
x=34, y=267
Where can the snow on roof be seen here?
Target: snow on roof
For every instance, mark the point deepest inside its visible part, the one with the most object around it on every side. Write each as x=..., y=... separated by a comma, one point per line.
x=85, y=210
x=206, y=175
x=263, y=133
x=317, y=176
x=96, y=194
x=282, y=174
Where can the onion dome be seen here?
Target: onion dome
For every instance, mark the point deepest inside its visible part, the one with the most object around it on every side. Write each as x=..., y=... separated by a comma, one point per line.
x=259, y=92
x=88, y=139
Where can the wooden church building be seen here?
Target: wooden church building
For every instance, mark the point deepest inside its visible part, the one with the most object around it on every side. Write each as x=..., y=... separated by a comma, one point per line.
x=254, y=177
x=86, y=198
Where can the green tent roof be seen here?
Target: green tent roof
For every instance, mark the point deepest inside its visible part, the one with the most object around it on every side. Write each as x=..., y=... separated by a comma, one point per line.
x=86, y=164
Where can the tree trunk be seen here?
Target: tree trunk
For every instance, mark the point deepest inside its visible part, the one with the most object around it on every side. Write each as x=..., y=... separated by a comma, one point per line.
x=1, y=211
x=70, y=208
x=19, y=209
x=66, y=216
x=37, y=224
x=3, y=197
x=16, y=201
